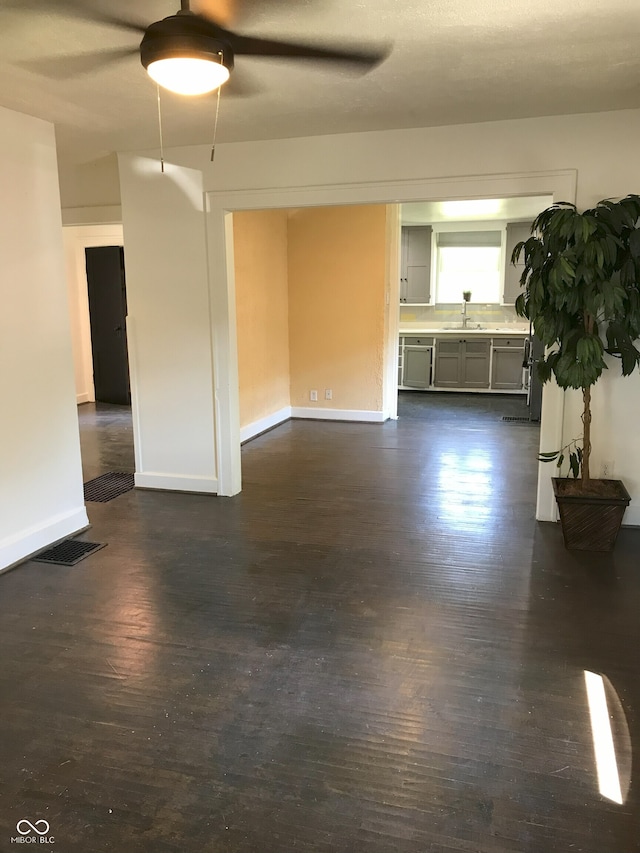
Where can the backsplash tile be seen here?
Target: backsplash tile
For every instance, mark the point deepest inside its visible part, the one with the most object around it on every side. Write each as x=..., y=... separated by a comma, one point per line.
x=446, y=314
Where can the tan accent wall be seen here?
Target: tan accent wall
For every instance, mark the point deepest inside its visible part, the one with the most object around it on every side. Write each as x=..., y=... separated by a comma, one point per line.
x=336, y=305
x=260, y=250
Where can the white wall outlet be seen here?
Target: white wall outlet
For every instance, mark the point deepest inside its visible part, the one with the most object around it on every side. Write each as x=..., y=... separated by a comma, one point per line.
x=313, y=396
x=607, y=468
x=328, y=394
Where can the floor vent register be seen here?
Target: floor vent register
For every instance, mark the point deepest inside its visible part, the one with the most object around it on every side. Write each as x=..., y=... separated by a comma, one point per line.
x=68, y=553
x=107, y=487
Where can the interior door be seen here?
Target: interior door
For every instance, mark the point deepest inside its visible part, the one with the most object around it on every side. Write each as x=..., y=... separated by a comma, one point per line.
x=108, y=312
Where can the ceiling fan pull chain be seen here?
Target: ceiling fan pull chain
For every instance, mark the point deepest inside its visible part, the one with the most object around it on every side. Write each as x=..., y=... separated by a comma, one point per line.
x=215, y=126
x=160, y=131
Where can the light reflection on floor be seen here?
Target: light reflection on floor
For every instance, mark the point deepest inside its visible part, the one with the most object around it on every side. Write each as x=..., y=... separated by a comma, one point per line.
x=466, y=488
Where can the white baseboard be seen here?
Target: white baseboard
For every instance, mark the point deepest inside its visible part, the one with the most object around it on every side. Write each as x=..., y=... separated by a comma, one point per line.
x=176, y=483
x=263, y=424
x=362, y=415
x=309, y=413
x=84, y=398
x=19, y=547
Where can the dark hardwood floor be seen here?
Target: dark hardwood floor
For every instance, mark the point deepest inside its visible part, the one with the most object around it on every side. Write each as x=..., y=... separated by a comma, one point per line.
x=373, y=648
x=106, y=439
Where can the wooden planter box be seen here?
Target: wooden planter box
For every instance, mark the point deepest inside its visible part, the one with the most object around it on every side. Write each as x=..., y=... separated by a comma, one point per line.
x=590, y=522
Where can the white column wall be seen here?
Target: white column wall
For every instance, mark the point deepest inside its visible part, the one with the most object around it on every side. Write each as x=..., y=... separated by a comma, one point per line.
x=168, y=327
x=41, y=499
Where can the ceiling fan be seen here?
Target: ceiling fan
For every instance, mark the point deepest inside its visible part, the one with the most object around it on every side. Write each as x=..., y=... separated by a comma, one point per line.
x=191, y=53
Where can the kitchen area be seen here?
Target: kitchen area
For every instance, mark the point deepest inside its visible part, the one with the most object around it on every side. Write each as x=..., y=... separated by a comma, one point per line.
x=458, y=330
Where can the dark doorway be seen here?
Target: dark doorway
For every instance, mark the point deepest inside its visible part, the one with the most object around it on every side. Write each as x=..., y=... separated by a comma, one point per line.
x=108, y=312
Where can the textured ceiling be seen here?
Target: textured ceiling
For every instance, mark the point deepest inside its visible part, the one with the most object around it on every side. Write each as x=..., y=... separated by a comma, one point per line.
x=452, y=62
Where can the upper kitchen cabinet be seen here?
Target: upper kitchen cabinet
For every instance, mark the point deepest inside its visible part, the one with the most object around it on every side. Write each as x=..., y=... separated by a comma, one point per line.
x=516, y=231
x=415, y=264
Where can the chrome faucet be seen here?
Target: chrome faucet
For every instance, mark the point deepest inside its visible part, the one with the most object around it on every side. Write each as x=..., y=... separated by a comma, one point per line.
x=466, y=296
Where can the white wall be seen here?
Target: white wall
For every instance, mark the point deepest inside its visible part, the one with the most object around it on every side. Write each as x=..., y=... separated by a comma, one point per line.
x=41, y=497
x=169, y=327
x=600, y=149
x=76, y=240
x=87, y=185
x=598, y=145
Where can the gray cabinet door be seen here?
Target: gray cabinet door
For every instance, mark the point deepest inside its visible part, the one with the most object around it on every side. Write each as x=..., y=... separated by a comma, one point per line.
x=448, y=358
x=404, y=248
x=419, y=246
x=415, y=264
x=417, y=285
x=516, y=231
x=475, y=364
x=416, y=367
x=506, y=373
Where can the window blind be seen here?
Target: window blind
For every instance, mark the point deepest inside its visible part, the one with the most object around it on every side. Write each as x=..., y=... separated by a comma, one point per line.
x=461, y=239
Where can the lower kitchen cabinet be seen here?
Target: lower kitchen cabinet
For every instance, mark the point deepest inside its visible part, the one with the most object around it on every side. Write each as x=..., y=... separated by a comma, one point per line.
x=416, y=367
x=462, y=363
x=475, y=364
x=469, y=363
x=447, y=371
x=506, y=371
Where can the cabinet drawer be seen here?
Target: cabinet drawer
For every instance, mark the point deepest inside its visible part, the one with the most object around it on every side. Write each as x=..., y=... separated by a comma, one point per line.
x=418, y=342
x=477, y=347
x=517, y=343
x=448, y=346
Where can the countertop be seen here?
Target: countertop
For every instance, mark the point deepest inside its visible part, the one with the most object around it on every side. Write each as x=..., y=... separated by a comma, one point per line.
x=503, y=331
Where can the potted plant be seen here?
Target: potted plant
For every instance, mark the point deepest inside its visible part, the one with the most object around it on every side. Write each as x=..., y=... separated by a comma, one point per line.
x=581, y=281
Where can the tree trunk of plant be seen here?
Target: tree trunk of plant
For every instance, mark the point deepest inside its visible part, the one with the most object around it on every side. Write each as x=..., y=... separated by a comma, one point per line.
x=586, y=436
x=586, y=414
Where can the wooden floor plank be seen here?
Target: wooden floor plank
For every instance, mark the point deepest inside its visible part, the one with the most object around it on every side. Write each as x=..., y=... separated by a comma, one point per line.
x=374, y=647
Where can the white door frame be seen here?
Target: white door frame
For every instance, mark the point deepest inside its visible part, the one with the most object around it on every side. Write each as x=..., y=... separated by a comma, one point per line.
x=219, y=214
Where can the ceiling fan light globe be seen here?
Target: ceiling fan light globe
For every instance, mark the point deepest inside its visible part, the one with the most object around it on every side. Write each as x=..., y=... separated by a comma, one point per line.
x=188, y=75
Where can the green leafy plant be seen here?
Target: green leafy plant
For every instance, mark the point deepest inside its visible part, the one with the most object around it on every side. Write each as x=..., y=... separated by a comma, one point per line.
x=571, y=452
x=581, y=281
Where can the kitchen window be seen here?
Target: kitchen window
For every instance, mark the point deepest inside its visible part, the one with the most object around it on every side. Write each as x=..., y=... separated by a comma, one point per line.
x=468, y=260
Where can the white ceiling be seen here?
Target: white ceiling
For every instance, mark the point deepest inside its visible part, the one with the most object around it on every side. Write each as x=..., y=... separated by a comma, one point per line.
x=452, y=62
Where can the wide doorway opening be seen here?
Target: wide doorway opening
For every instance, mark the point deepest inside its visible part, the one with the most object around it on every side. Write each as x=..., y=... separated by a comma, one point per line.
x=98, y=301
x=323, y=315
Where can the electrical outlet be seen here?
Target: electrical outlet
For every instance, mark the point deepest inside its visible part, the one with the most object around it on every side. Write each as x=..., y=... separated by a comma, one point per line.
x=328, y=394
x=313, y=396
x=607, y=468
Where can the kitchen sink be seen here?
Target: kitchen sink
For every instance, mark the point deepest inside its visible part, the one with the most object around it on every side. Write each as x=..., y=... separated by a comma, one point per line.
x=473, y=328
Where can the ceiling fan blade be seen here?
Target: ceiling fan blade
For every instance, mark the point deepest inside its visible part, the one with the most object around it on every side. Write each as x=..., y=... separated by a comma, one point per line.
x=291, y=50
x=78, y=9
x=114, y=20
x=223, y=12
x=66, y=67
x=229, y=12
